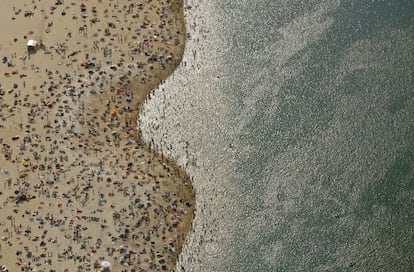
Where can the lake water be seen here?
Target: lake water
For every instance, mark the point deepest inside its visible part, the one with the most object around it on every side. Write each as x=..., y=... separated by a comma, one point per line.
x=295, y=120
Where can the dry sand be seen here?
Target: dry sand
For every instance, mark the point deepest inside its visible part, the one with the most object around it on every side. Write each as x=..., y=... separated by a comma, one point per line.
x=79, y=186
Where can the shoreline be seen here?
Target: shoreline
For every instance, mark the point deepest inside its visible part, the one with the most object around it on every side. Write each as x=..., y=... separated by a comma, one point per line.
x=64, y=122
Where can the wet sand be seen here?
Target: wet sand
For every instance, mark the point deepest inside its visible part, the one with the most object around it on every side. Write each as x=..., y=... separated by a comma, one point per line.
x=79, y=185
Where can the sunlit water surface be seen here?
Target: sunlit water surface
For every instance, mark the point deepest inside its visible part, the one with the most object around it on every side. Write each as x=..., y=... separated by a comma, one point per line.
x=296, y=121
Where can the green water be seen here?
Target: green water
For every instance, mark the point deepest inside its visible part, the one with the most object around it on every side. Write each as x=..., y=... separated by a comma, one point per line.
x=327, y=175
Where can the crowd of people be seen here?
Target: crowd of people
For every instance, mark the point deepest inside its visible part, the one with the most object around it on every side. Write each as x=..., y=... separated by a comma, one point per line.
x=81, y=189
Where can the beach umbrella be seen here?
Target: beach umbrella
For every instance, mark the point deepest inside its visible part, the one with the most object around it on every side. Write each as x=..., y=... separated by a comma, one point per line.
x=105, y=264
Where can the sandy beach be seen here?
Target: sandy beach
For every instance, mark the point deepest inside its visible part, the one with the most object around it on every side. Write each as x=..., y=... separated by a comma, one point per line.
x=81, y=190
